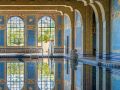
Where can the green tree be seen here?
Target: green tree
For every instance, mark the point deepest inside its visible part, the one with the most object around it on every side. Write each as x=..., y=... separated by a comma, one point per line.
x=45, y=69
x=45, y=37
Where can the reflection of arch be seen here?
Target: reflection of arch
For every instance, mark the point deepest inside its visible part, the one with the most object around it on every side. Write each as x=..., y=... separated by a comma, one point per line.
x=78, y=32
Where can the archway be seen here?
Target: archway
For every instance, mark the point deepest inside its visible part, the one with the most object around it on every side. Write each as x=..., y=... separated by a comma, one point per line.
x=46, y=33
x=67, y=49
x=15, y=31
x=78, y=33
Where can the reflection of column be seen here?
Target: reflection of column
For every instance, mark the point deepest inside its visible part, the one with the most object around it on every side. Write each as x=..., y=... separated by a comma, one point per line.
x=79, y=77
x=59, y=74
x=31, y=76
x=99, y=78
x=106, y=79
x=3, y=80
x=87, y=77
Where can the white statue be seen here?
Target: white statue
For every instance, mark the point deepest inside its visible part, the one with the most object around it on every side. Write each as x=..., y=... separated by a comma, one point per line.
x=74, y=59
x=30, y=88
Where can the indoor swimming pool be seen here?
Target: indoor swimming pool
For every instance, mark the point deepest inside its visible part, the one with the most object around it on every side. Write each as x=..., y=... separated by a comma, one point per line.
x=46, y=73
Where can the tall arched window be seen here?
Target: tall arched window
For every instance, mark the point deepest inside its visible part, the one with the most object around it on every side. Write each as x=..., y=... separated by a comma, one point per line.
x=46, y=31
x=67, y=41
x=15, y=75
x=67, y=33
x=78, y=32
x=15, y=31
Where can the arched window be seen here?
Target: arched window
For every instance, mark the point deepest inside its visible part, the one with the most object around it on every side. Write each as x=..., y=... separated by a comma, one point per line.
x=15, y=75
x=67, y=33
x=15, y=31
x=67, y=40
x=78, y=32
x=46, y=30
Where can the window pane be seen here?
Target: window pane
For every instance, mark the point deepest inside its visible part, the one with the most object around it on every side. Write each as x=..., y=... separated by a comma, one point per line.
x=46, y=30
x=15, y=75
x=15, y=32
x=46, y=75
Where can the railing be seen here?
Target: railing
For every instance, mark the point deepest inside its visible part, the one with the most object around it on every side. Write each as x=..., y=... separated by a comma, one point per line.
x=21, y=50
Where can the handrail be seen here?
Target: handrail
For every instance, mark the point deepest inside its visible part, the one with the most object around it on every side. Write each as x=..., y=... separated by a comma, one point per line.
x=20, y=50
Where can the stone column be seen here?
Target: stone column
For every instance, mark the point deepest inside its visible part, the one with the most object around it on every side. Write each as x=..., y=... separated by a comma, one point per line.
x=59, y=74
x=99, y=78
x=3, y=77
x=87, y=77
x=106, y=79
x=30, y=76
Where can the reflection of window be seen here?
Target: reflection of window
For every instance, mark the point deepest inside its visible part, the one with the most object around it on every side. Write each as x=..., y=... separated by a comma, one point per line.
x=15, y=32
x=46, y=75
x=46, y=30
x=15, y=75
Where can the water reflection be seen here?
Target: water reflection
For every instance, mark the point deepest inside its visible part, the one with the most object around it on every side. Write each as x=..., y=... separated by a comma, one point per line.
x=115, y=79
x=87, y=77
x=90, y=77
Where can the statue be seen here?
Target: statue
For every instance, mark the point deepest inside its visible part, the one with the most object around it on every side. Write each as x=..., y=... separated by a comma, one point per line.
x=74, y=59
x=30, y=88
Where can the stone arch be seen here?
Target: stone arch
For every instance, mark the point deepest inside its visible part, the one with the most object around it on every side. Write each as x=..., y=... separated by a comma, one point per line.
x=91, y=1
x=97, y=27
x=78, y=32
x=12, y=31
x=85, y=2
x=67, y=31
x=67, y=49
x=103, y=26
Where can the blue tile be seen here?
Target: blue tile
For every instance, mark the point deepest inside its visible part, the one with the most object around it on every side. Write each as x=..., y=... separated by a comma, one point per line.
x=1, y=37
x=59, y=20
x=59, y=38
x=31, y=70
x=59, y=70
x=31, y=38
x=2, y=69
x=1, y=20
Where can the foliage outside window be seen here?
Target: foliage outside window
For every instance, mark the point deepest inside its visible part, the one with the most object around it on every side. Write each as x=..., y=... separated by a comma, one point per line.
x=15, y=32
x=15, y=75
x=46, y=75
x=46, y=30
